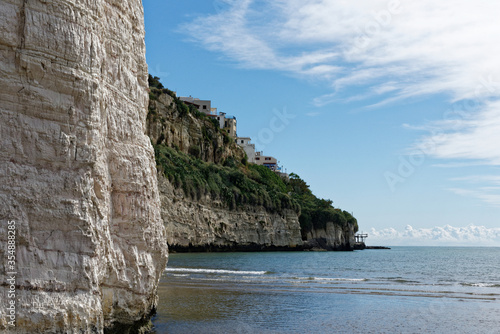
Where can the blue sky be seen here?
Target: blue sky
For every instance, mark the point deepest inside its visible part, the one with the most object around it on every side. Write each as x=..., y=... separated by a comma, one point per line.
x=389, y=108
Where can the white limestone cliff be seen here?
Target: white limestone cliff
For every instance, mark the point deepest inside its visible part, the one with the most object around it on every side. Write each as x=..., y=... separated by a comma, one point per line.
x=77, y=173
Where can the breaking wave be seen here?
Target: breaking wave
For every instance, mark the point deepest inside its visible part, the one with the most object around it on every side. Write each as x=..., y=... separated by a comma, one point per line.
x=214, y=271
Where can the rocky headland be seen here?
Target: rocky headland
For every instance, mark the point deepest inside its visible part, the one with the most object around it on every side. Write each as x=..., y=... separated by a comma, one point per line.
x=213, y=200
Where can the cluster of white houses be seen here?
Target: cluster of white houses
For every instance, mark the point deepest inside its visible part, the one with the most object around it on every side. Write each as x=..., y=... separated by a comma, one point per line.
x=228, y=124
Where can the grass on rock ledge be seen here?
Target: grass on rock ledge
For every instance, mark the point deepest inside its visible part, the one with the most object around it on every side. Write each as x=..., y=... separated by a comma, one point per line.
x=238, y=185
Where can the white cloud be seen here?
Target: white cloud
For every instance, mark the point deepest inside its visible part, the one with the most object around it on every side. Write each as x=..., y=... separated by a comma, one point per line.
x=422, y=47
x=393, y=49
x=466, y=135
x=484, y=187
x=490, y=179
x=447, y=235
x=490, y=195
x=390, y=49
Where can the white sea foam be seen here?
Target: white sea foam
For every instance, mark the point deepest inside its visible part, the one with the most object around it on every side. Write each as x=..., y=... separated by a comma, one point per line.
x=339, y=279
x=482, y=285
x=335, y=279
x=213, y=271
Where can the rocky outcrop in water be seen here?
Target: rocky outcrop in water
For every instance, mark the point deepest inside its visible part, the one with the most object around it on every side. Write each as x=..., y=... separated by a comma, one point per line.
x=77, y=172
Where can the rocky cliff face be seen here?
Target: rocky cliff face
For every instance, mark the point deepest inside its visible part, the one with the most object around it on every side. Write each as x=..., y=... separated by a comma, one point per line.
x=77, y=172
x=207, y=224
x=191, y=135
x=332, y=237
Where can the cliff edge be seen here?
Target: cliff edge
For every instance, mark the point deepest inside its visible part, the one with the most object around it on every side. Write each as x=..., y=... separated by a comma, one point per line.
x=213, y=200
x=77, y=170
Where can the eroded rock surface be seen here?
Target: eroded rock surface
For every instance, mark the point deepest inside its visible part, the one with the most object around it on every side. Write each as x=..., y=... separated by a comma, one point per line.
x=77, y=172
x=207, y=224
x=167, y=126
x=332, y=237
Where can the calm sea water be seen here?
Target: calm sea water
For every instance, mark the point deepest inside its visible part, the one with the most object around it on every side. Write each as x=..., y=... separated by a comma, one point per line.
x=402, y=290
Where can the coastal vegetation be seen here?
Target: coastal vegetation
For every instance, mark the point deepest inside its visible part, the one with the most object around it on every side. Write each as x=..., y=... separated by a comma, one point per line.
x=235, y=182
x=316, y=212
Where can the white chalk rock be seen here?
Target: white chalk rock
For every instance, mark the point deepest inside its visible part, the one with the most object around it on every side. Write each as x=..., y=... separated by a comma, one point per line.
x=77, y=172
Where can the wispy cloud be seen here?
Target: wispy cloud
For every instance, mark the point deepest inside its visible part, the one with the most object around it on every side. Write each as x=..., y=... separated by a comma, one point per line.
x=471, y=136
x=447, y=235
x=484, y=187
x=420, y=47
x=389, y=50
x=486, y=194
x=490, y=179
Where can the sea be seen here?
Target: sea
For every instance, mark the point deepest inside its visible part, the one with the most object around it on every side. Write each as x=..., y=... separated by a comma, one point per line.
x=401, y=290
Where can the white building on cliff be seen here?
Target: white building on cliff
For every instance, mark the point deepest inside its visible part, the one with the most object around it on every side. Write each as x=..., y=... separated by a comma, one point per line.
x=249, y=148
x=226, y=122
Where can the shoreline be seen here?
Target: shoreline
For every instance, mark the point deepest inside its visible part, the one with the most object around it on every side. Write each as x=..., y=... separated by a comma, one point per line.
x=253, y=248
x=210, y=248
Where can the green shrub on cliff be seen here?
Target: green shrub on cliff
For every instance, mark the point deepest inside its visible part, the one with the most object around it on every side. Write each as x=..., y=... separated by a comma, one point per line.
x=156, y=89
x=237, y=185
x=316, y=212
x=154, y=82
x=233, y=184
